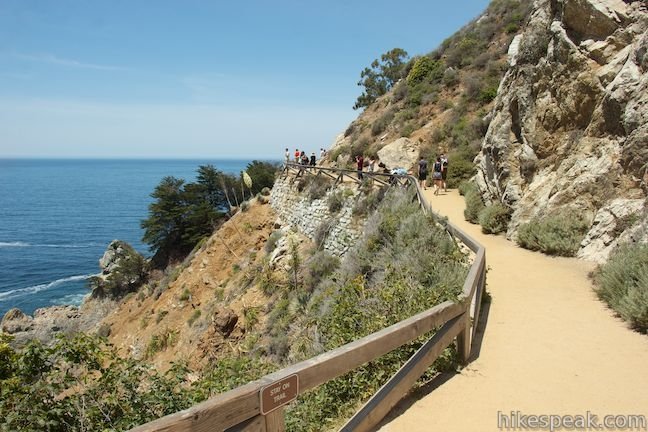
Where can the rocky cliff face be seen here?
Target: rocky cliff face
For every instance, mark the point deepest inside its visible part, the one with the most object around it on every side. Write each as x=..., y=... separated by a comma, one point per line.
x=570, y=123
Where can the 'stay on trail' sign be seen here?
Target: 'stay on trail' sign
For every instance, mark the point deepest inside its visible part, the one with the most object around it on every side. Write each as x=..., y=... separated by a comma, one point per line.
x=279, y=393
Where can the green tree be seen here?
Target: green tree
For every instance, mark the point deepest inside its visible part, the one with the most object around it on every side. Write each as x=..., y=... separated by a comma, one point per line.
x=381, y=76
x=181, y=215
x=263, y=175
x=425, y=68
x=209, y=179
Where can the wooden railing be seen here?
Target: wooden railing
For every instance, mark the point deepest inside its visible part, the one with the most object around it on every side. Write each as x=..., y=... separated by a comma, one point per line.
x=240, y=409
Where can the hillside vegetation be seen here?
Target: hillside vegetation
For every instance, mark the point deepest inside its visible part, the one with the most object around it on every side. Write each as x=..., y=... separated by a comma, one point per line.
x=440, y=100
x=313, y=304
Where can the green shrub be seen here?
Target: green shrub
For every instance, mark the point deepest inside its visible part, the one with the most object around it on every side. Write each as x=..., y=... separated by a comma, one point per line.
x=494, y=218
x=268, y=280
x=512, y=28
x=322, y=231
x=317, y=187
x=271, y=244
x=556, y=234
x=623, y=284
x=160, y=316
x=408, y=129
x=464, y=186
x=185, y=295
x=488, y=93
x=365, y=205
x=82, y=384
x=251, y=315
x=336, y=201
x=388, y=276
x=382, y=122
x=161, y=341
x=319, y=266
x=460, y=168
x=245, y=206
x=425, y=68
x=474, y=204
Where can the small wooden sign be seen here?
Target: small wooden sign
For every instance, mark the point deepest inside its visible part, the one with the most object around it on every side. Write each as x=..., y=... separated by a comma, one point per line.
x=279, y=393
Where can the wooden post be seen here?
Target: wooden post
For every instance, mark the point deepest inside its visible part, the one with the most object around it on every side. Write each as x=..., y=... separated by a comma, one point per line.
x=275, y=421
x=463, y=338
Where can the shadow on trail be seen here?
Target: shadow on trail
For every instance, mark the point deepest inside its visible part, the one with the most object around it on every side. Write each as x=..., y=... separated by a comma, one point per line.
x=436, y=382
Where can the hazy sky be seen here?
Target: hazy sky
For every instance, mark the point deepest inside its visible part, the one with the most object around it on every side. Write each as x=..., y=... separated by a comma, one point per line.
x=196, y=78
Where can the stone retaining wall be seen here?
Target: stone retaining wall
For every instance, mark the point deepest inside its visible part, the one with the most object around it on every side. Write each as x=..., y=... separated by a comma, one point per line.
x=296, y=209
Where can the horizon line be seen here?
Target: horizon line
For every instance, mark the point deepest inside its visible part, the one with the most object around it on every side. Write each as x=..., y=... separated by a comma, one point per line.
x=237, y=158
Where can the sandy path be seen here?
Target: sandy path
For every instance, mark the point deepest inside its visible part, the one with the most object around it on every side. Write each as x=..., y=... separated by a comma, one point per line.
x=549, y=347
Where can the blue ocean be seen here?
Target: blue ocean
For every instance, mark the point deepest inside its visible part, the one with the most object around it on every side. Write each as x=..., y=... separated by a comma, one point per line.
x=58, y=216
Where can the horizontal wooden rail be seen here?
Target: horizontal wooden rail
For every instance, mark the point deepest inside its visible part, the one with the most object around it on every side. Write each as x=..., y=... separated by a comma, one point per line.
x=239, y=409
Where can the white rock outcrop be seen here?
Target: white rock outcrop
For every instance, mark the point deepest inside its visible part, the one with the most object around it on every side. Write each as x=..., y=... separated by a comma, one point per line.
x=570, y=123
x=401, y=153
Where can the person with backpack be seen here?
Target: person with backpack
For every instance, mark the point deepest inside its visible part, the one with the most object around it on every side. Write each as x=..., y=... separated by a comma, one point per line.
x=422, y=172
x=437, y=176
x=444, y=171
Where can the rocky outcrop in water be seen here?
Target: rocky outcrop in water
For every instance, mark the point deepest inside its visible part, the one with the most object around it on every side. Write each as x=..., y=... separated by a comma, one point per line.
x=122, y=270
x=570, y=122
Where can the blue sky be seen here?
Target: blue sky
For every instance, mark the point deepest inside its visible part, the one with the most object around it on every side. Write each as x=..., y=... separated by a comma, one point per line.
x=196, y=78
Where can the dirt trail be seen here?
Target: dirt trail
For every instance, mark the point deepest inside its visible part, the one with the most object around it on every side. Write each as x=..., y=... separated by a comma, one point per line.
x=549, y=347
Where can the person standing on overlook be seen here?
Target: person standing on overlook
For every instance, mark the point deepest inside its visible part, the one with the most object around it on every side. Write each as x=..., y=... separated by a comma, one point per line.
x=313, y=160
x=422, y=171
x=297, y=155
x=287, y=156
x=372, y=164
x=360, y=165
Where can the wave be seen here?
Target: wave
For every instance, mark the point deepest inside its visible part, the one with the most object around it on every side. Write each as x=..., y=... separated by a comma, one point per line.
x=14, y=244
x=70, y=299
x=41, y=287
x=19, y=244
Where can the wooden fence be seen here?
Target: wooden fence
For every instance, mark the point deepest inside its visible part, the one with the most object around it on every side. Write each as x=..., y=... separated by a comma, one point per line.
x=241, y=409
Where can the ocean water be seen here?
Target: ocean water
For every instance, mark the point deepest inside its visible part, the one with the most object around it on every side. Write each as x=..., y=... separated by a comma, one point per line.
x=58, y=216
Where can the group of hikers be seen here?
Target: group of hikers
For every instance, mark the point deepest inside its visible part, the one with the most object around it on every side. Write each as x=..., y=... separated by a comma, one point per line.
x=439, y=168
x=439, y=173
x=301, y=158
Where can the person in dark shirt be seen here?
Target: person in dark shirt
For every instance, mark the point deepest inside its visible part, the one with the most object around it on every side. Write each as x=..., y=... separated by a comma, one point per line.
x=422, y=171
x=312, y=159
x=360, y=164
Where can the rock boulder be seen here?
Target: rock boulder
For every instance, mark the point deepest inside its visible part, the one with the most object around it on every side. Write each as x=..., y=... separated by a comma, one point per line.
x=402, y=153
